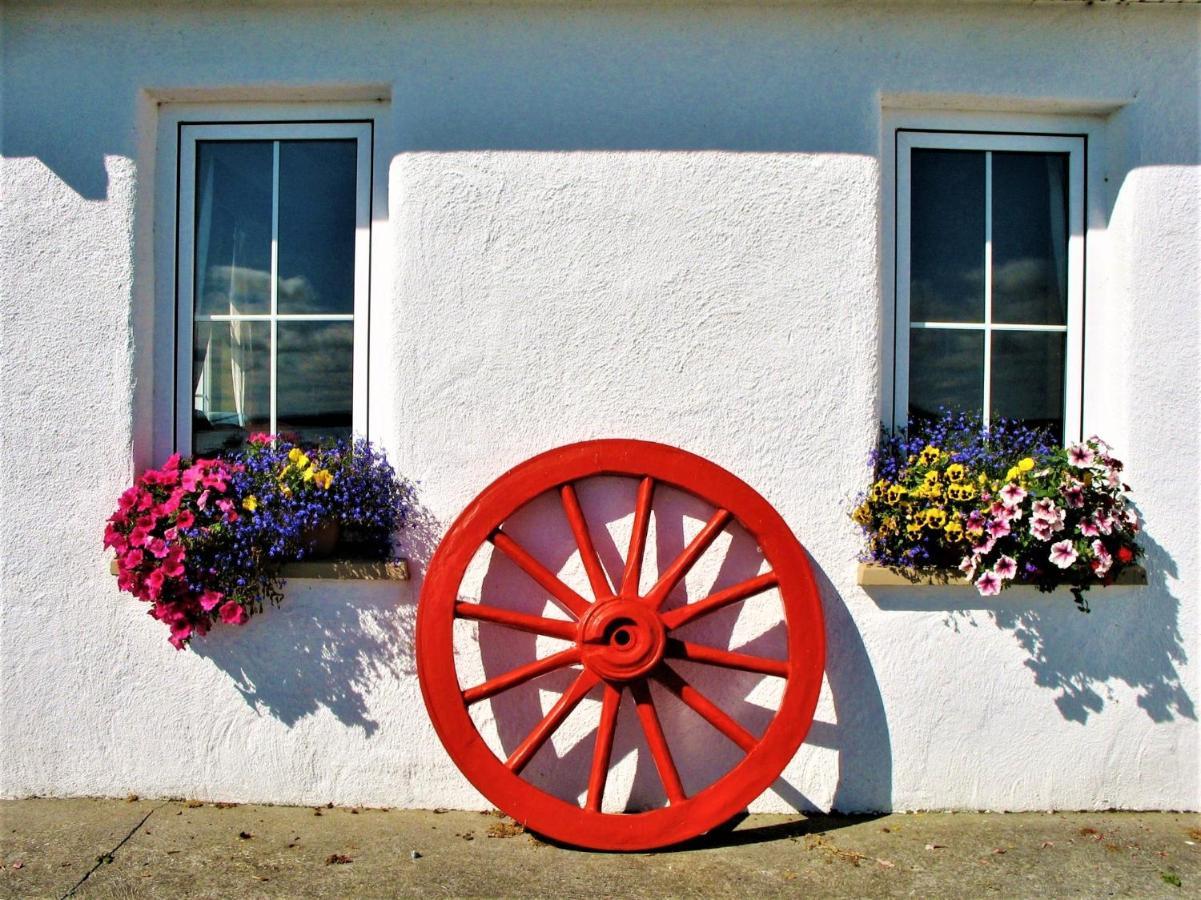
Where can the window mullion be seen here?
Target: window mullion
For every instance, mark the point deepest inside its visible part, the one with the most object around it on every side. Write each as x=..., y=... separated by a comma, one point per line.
x=987, y=287
x=273, y=377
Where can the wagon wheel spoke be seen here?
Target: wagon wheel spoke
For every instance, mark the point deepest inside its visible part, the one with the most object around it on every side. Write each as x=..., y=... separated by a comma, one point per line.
x=603, y=751
x=550, y=723
x=481, y=612
x=521, y=674
x=579, y=527
x=642, y=518
x=706, y=708
x=566, y=597
x=685, y=561
x=726, y=658
x=657, y=742
x=682, y=615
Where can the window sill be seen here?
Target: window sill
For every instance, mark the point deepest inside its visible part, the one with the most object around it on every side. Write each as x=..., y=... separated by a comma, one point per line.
x=338, y=569
x=871, y=575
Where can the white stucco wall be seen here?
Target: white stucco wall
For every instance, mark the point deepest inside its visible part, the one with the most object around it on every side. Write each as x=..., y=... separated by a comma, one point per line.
x=660, y=223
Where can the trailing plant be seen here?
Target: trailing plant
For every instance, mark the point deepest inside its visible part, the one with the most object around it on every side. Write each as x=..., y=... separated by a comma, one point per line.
x=1003, y=505
x=203, y=541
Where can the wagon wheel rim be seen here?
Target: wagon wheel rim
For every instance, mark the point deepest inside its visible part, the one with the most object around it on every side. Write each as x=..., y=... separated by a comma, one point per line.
x=623, y=640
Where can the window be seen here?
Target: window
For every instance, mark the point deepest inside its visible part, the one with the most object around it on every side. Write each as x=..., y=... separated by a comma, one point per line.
x=272, y=281
x=989, y=276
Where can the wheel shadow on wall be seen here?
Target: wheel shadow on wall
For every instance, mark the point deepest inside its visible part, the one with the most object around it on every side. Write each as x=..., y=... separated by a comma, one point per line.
x=856, y=735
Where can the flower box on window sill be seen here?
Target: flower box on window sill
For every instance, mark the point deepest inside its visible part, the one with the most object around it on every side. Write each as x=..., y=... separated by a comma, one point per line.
x=339, y=569
x=872, y=575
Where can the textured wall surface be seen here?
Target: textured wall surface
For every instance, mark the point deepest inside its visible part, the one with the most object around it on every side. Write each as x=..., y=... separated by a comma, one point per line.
x=661, y=224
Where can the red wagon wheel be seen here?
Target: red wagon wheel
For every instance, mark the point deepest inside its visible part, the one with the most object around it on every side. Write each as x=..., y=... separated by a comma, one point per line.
x=621, y=641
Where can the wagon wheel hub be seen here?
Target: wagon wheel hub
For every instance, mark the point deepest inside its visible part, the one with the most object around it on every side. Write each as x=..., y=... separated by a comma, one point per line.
x=621, y=640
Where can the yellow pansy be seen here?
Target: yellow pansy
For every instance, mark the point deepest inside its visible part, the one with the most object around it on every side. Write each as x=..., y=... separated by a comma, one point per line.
x=956, y=471
x=307, y=475
x=323, y=479
x=1026, y=464
x=251, y=503
x=298, y=458
x=932, y=477
x=983, y=479
x=879, y=489
x=896, y=493
x=929, y=456
x=1013, y=474
x=913, y=527
x=935, y=518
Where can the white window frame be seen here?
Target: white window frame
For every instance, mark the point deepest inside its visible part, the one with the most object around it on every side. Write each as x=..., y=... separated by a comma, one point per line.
x=904, y=139
x=189, y=133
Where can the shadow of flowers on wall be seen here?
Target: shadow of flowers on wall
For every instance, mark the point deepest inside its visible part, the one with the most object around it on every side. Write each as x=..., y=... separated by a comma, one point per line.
x=330, y=644
x=1132, y=637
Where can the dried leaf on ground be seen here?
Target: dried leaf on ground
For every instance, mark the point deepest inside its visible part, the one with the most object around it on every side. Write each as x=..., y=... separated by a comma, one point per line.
x=337, y=859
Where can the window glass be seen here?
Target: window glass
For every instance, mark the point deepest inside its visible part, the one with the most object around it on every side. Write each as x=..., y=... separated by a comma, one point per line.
x=1030, y=238
x=949, y=371
x=1027, y=377
x=233, y=227
x=316, y=375
x=232, y=383
x=946, y=262
x=316, y=226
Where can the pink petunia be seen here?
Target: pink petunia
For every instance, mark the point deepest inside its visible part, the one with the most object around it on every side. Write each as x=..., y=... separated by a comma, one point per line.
x=186, y=519
x=1063, y=554
x=1088, y=528
x=968, y=566
x=154, y=584
x=190, y=480
x=210, y=599
x=232, y=613
x=260, y=437
x=998, y=528
x=988, y=584
x=1006, y=567
x=157, y=547
x=1131, y=519
x=1074, y=495
x=180, y=633
x=173, y=563
x=1041, y=530
x=203, y=500
x=1012, y=494
x=975, y=521
x=1080, y=456
x=1104, y=522
x=132, y=559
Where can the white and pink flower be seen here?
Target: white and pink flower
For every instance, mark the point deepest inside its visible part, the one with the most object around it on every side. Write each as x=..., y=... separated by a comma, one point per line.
x=1012, y=494
x=988, y=584
x=1073, y=495
x=1006, y=567
x=1063, y=554
x=1088, y=528
x=998, y=528
x=1041, y=529
x=968, y=567
x=1081, y=456
x=1101, y=558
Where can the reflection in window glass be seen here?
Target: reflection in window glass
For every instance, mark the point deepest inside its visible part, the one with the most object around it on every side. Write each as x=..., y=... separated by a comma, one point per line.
x=233, y=227
x=316, y=379
x=946, y=369
x=316, y=226
x=231, y=383
x=1028, y=377
x=1030, y=238
x=946, y=262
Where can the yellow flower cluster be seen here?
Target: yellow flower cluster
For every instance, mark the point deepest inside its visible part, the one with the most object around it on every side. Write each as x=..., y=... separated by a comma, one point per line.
x=300, y=464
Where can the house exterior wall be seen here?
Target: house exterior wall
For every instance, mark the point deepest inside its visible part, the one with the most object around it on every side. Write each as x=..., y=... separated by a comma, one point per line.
x=660, y=223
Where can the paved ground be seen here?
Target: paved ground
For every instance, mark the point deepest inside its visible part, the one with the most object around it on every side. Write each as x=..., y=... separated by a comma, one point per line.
x=138, y=848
